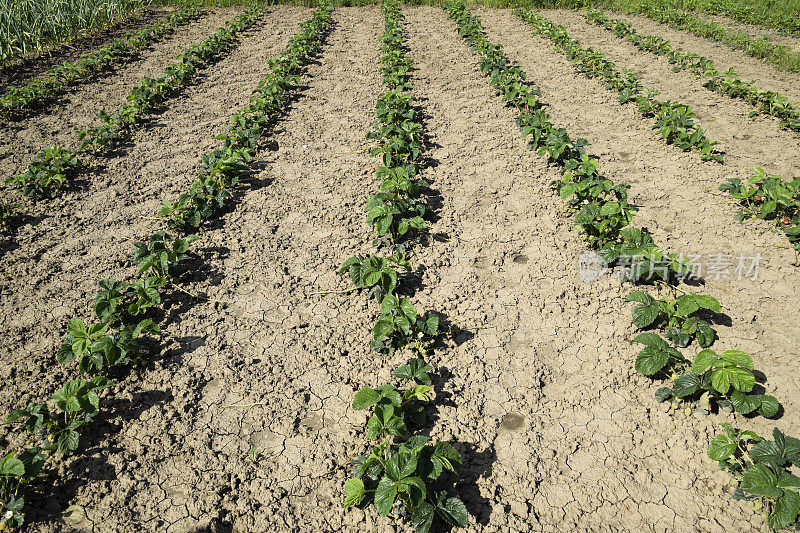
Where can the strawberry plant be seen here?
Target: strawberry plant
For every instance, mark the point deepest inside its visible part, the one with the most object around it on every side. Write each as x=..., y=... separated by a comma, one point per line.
x=161, y=254
x=6, y=211
x=778, y=54
x=15, y=472
x=644, y=260
x=46, y=173
x=49, y=169
x=379, y=274
x=769, y=197
x=674, y=120
x=400, y=326
x=404, y=475
x=76, y=404
x=762, y=469
x=678, y=317
x=727, y=83
x=99, y=348
x=113, y=340
x=711, y=380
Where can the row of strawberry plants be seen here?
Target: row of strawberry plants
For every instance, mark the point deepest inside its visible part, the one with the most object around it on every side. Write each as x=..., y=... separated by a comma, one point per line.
x=107, y=348
x=770, y=197
x=404, y=472
x=710, y=380
x=764, y=196
x=17, y=99
x=52, y=167
x=764, y=14
x=674, y=120
x=728, y=83
x=780, y=55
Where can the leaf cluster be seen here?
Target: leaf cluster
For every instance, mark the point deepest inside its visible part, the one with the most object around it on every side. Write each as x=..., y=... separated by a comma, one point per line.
x=769, y=197
x=763, y=469
x=403, y=473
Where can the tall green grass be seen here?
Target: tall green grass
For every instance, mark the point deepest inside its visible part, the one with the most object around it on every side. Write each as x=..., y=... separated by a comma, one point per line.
x=30, y=26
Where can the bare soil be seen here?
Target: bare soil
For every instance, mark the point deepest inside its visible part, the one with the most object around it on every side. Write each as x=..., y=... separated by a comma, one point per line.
x=245, y=404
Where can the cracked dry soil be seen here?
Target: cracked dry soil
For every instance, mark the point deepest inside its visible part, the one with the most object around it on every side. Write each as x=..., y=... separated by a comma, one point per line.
x=246, y=404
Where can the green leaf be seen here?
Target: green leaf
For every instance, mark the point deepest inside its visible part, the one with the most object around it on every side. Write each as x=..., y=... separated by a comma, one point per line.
x=651, y=339
x=687, y=384
x=416, y=369
x=11, y=466
x=785, y=512
x=705, y=335
x=385, y=495
x=76, y=328
x=769, y=406
x=371, y=277
x=740, y=378
x=708, y=302
x=422, y=519
x=354, y=488
x=365, y=398
x=382, y=328
x=639, y=296
x=645, y=315
x=448, y=456
x=402, y=324
x=68, y=442
x=609, y=208
x=408, y=310
x=722, y=447
x=703, y=360
x=454, y=512
x=744, y=403
x=415, y=488
x=650, y=360
x=760, y=480
x=738, y=357
x=663, y=394
x=685, y=305
x=65, y=353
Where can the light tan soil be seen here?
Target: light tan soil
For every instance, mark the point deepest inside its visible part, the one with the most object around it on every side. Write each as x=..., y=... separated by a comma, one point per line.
x=247, y=404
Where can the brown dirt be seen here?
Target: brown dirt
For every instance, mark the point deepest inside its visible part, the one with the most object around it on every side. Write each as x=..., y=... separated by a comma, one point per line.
x=556, y=429
x=24, y=68
x=668, y=184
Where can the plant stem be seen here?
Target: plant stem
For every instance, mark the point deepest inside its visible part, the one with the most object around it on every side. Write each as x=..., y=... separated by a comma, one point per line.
x=333, y=292
x=193, y=295
x=341, y=465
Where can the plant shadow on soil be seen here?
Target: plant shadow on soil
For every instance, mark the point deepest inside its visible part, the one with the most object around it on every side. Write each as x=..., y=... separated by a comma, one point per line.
x=475, y=464
x=15, y=221
x=90, y=464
